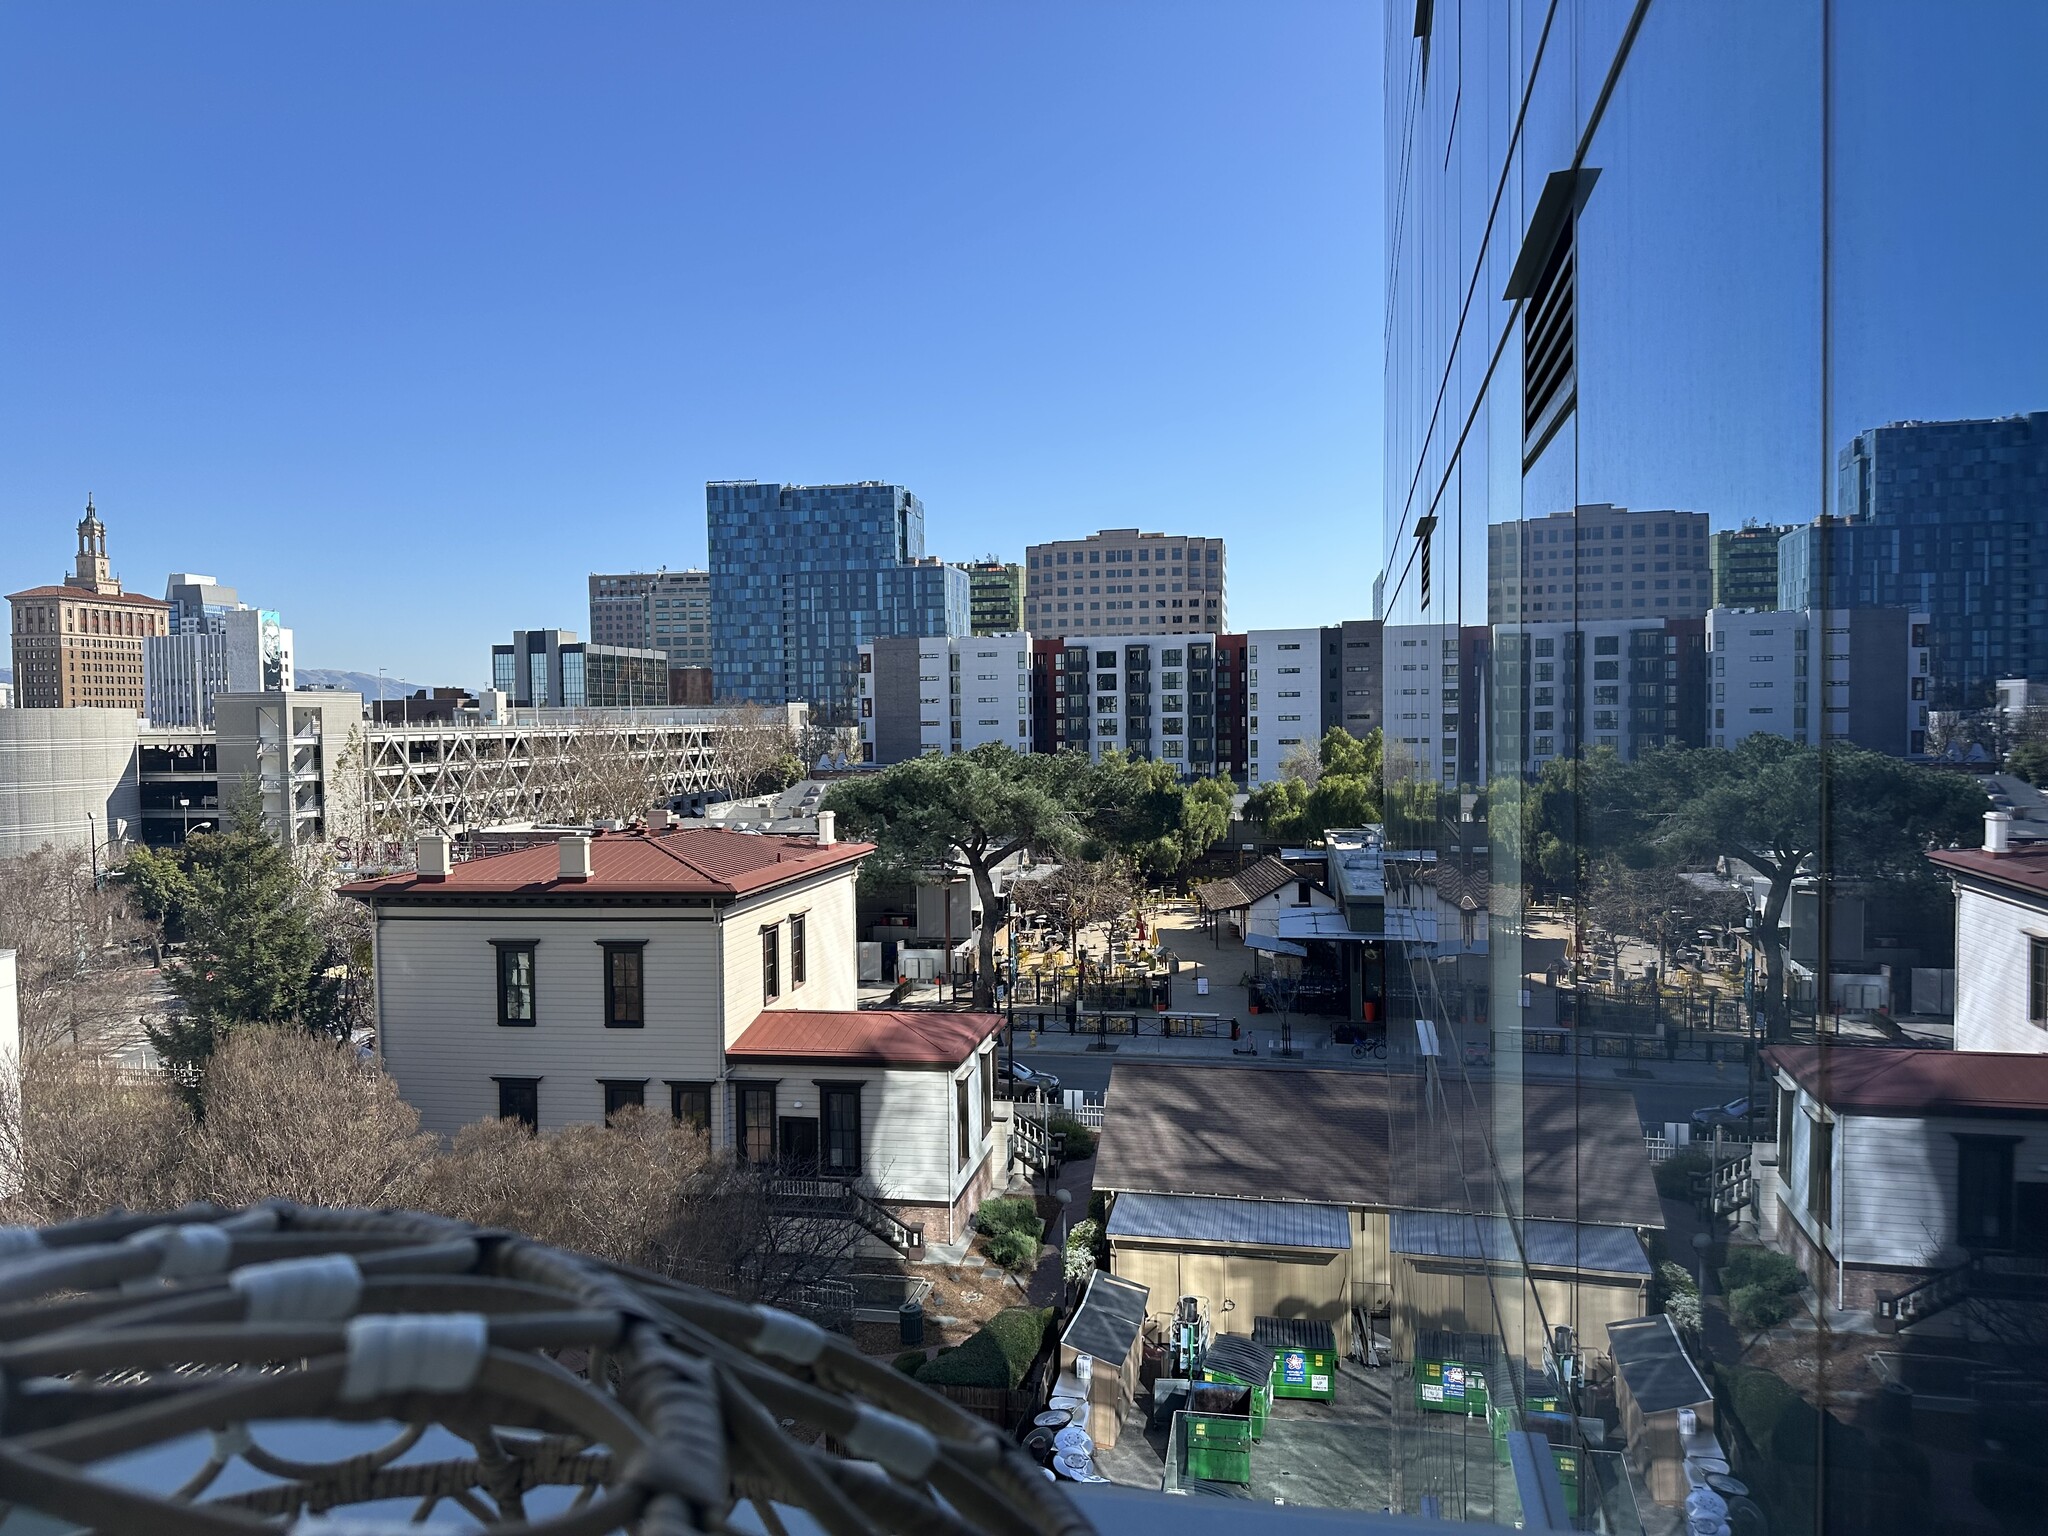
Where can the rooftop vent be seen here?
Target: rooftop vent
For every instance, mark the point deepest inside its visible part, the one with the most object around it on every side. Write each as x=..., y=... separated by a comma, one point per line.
x=433, y=855
x=827, y=828
x=575, y=857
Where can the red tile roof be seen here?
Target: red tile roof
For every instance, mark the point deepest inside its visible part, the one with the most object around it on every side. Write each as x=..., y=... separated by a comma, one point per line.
x=1905, y=1081
x=2024, y=868
x=683, y=861
x=866, y=1037
x=85, y=596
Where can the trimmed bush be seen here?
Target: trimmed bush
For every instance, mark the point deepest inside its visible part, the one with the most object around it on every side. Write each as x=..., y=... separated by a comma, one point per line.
x=1674, y=1174
x=1756, y=1306
x=1761, y=1401
x=1007, y=1213
x=909, y=1362
x=1082, y=1256
x=1080, y=1140
x=1762, y=1267
x=1011, y=1249
x=996, y=1355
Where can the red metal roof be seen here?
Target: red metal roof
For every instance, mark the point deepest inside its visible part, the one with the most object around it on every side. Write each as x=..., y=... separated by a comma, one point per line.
x=865, y=1037
x=682, y=861
x=86, y=595
x=2025, y=868
x=1898, y=1080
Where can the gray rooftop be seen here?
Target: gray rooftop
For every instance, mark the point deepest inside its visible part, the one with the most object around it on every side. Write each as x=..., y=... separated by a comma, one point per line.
x=1207, y=1219
x=1551, y=1244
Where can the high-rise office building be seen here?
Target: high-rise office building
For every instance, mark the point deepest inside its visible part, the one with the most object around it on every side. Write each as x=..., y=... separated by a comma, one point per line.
x=1598, y=561
x=552, y=669
x=80, y=644
x=922, y=695
x=1949, y=518
x=217, y=645
x=1123, y=582
x=1745, y=562
x=667, y=611
x=802, y=576
x=995, y=596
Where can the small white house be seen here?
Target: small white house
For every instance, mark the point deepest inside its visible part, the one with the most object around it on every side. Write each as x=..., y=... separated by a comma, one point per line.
x=696, y=971
x=2001, y=941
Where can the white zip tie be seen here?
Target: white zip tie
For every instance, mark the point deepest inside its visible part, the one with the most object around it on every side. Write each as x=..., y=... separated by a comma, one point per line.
x=788, y=1337
x=906, y=1449
x=430, y=1352
x=19, y=1240
x=322, y=1289
x=190, y=1250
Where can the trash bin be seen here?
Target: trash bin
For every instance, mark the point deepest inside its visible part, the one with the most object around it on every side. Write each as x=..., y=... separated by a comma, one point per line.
x=910, y=1324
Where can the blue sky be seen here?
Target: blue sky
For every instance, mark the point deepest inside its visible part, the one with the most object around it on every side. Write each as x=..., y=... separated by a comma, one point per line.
x=402, y=319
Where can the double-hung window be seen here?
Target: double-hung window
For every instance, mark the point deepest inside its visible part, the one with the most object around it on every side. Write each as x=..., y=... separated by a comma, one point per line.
x=623, y=1093
x=690, y=1103
x=2037, y=981
x=515, y=983
x=1984, y=1191
x=771, y=962
x=796, y=950
x=839, y=1106
x=753, y=1128
x=624, y=995
x=519, y=1099
x=963, y=1114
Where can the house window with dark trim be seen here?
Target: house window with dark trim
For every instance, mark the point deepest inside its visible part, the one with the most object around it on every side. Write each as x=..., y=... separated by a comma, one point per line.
x=1788, y=1102
x=623, y=1093
x=796, y=950
x=963, y=1113
x=2037, y=981
x=771, y=963
x=1820, y=1170
x=519, y=1099
x=753, y=1121
x=1984, y=1191
x=624, y=996
x=988, y=1087
x=690, y=1103
x=839, y=1110
x=515, y=984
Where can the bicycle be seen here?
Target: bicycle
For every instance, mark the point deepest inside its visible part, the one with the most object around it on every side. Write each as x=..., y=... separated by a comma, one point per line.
x=1376, y=1047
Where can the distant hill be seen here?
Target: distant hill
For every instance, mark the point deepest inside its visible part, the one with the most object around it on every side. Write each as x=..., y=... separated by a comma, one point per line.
x=365, y=683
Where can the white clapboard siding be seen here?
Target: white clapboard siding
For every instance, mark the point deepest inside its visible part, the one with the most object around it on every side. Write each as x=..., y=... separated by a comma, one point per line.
x=1897, y=1182
x=832, y=962
x=1992, y=939
x=438, y=1011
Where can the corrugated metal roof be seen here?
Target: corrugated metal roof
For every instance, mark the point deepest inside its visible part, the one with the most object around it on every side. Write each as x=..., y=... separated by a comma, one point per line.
x=1552, y=1244
x=866, y=1037
x=1254, y=1223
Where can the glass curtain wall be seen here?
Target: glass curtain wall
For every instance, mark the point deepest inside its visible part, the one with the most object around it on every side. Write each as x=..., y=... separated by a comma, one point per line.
x=1657, y=271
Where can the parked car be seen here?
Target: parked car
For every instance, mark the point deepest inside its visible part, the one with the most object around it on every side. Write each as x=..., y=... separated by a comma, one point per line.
x=1734, y=1115
x=1021, y=1076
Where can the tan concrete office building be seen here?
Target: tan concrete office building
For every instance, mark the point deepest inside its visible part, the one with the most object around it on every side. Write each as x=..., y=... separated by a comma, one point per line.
x=1124, y=582
x=79, y=645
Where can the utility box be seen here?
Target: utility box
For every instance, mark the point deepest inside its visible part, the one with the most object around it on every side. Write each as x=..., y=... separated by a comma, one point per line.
x=1304, y=1355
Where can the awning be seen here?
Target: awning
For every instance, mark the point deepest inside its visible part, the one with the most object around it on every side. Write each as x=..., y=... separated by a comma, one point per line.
x=1245, y=1223
x=1111, y=1314
x=1549, y=1244
x=1264, y=945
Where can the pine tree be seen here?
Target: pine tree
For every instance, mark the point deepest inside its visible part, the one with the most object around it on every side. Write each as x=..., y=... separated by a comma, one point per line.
x=251, y=955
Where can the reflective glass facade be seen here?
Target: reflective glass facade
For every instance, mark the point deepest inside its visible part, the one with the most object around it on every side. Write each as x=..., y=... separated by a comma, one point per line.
x=1700, y=256
x=803, y=575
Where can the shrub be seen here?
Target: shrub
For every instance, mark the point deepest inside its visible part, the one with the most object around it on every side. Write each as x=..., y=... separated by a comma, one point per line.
x=1011, y=1249
x=1006, y=1213
x=1080, y=1141
x=1764, y=1268
x=1082, y=1257
x=1674, y=1174
x=1757, y=1306
x=1683, y=1308
x=1761, y=1400
x=996, y=1355
x=910, y=1361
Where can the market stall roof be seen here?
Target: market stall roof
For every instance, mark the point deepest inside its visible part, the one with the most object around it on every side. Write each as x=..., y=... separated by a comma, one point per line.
x=1653, y=1366
x=1111, y=1314
x=1325, y=925
x=1250, y=1223
x=1246, y=886
x=1264, y=945
x=1551, y=1244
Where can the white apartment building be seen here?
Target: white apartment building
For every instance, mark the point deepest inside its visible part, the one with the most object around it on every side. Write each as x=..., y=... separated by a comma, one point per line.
x=1123, y=582
x=1809, y=675
x=933, y=694
x=1283, y=698
x=1420, y=703
x=1151, y=696
x=697, y=972
x=231, y=650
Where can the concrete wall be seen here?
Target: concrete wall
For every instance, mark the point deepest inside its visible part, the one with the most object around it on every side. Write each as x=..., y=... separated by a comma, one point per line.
x=68, y=776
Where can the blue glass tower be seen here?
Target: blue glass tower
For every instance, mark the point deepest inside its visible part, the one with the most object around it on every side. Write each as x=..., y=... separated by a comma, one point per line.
x=1945, y=516
x=803, y=575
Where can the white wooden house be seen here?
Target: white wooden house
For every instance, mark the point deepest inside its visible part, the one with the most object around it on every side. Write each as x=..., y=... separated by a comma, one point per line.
x=700, y=972
x=2001, y=941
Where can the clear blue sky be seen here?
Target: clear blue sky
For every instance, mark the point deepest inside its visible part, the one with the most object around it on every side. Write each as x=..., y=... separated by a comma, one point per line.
x=403, y=318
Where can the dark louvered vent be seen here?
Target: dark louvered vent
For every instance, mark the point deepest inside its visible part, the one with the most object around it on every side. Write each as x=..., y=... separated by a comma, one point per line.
x=1549, y=352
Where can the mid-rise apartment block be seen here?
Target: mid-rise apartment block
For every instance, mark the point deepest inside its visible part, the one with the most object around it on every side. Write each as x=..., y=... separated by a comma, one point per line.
x=935, y=694
x=667, y=611
x=1818, y=675
x=1153, y=697
x=79, y=645
x=553, y=669
x=802, y=576
x=995, y=596
x=1598, y=561
x=1123, y=582
x=1283, y=698
x=1627, y=687
x=1359, y=704
x=1745, y=562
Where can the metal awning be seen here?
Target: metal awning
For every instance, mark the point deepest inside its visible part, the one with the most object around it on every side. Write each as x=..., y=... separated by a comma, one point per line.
x=1247, y=1223
x=1269, y=946
x=1551, y=1244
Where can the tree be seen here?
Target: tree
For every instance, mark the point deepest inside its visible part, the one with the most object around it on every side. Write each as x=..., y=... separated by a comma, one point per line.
x=1341, y=800
x=752, y=752
x=1761, y=803
x=1142, y=810
x=1278, y=808
x=252, y=956
x=1076, y=894
x=76, y=973
x=607, y=777
x=965, y=813
x=83, y=1136
x=161, y=888
x=1350, y=756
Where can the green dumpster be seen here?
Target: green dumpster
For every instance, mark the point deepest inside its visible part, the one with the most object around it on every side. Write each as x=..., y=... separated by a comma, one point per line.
x=1305, y=1355
x=1449, y=1386
x=1219, y=1448
x=1236, y=1360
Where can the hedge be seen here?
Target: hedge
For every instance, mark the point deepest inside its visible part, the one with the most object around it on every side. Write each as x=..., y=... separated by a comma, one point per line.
x=1011, y=1249
x=1080, y=1140
x=996, y=1355
x=1674, y=1175
x=1007, y=1213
